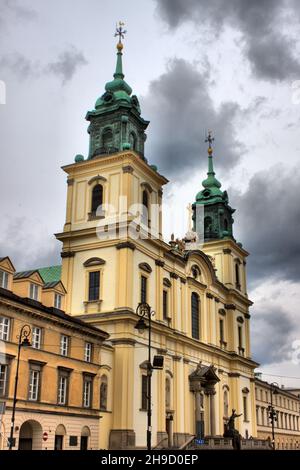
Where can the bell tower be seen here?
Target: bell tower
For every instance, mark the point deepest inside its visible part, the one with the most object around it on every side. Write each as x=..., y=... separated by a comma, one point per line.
x=116, y=123
x=213, y=222
x=217, y=216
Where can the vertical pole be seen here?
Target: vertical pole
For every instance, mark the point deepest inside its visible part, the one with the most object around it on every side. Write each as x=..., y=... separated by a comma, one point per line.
x=149, y=373
x=12, y=425
x=272, y=419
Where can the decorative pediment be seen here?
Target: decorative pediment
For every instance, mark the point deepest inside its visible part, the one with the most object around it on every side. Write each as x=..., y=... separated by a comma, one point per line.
x=57, y=286
x=222, y=311
x=167, y=282
x=240, y=319
x=145, y=267
x=203, y=376
x=147, y=186
x=94, y=262
x=7, y=265
x=97, y=179
x=245, y=390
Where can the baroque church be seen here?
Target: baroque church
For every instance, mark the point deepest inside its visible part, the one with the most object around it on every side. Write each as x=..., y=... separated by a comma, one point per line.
x=114, y=257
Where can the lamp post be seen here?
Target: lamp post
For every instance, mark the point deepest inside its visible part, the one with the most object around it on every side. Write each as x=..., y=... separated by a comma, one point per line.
x=144, y=311
x=23, y=342
x=272, y=413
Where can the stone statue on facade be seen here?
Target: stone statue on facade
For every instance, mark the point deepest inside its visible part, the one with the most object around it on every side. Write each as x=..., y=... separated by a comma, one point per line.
x=230, y=430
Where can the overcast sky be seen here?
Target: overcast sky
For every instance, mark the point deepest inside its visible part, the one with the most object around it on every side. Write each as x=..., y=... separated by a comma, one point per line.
x=225, y=65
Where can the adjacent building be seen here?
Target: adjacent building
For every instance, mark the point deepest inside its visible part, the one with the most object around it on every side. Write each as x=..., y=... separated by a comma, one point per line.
x=286, y=403
x=61, y=375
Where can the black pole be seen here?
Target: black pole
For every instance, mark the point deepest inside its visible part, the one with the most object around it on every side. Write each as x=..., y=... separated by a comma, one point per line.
x=12, y=425
x=272, y=419
x=149, y=374
x=24, y=333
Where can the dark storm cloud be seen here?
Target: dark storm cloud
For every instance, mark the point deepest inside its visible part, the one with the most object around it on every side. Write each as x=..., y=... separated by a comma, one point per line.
x=180, y=110
x=276, y=345
x=268, y=223
x=270, y=52
x=67, y=64
x=64, y=67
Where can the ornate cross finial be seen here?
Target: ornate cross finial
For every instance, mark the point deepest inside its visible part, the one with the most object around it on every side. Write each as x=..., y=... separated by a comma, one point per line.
x=209, y=138
x=120, y=31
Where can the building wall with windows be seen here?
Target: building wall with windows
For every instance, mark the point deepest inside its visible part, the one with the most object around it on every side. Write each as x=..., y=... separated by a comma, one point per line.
x=287, y=409
x=58, y=394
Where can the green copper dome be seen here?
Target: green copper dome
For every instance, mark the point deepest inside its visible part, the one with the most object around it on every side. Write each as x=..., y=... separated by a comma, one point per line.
x=116, y=90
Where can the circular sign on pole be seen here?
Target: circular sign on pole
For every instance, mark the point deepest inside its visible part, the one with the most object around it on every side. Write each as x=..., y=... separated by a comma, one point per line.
x=45, y=436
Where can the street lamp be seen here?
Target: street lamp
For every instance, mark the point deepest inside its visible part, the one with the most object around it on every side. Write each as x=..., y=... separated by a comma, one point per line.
x=23, y=342
x=145, y=313
x=272, y=413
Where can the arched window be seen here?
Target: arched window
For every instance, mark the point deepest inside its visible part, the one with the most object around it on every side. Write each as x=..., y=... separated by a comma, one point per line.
x=132, y=140
x=207, y=225
x=103, y=393
x=237, y=276
x=107, y=138
x=195, y=315
x=226, y=406
x=168, y=393
x=145, y=202
x=97, y=198
x=226, y=225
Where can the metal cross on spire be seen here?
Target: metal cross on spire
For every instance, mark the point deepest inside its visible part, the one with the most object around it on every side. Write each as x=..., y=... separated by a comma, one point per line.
x=120, y=31
x=209, y=139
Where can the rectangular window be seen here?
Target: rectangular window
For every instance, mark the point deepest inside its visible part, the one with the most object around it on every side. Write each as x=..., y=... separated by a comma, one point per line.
x=221, y=331
x=165, y=305
x=3, y=379
x=62, y=389
x=3, y=279
x=64, y=345
x=34, y=291
x=195, y=316
x=240, y=339
x=57, y=301
x=34, y=384
x=4, y=328
x=36, y=337
x=143, y=289
x=88, y=352
x=245, y=408
x=87, y=392
x=94, y=285
x=144, y=392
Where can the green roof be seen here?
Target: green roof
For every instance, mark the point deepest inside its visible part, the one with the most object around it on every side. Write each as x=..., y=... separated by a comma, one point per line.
x=50, y=274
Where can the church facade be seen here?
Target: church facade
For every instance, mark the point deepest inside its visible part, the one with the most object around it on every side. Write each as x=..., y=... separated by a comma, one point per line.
x=114, y=257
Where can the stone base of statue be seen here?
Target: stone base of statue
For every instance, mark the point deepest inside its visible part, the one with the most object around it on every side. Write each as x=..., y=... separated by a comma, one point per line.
x=235, y=436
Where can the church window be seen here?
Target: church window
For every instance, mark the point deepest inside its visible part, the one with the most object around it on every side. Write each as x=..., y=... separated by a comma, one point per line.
x=221, y=324
x=103, y=393
x=168, y=393
x=144, y=289
x=132, y=140
x=145, y=210
x=195, y=315
x=107, y=138
x=165, y=305
x=237, y=276
x=226, y=405
x=245, y=408
x=97, y=197
x=94, y=285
